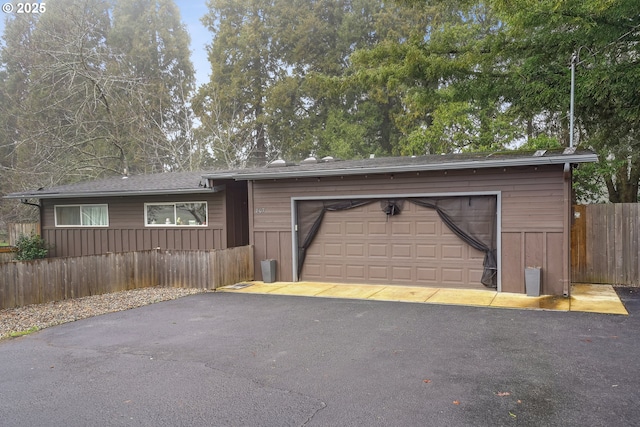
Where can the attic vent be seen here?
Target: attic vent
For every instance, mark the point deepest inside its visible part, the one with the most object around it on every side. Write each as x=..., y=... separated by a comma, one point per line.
x=309, y=160
x=539, y=153
x=277, y=163
x=328, y=159
x=569, y=150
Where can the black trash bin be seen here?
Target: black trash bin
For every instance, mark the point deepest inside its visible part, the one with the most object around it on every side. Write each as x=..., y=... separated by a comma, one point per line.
x=268, y=270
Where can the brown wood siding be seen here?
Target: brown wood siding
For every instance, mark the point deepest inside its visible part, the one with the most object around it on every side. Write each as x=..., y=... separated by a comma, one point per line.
x=274, y=245
x=126, y=231
x=532, y=249
x=531, y=197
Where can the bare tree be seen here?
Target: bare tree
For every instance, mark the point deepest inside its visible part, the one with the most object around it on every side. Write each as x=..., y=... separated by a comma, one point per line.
x=225, y=133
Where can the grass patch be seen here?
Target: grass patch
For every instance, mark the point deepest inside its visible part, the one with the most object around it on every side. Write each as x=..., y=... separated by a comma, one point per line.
x=31, y=330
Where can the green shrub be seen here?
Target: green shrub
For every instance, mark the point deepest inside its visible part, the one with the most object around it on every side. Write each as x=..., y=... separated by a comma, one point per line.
x=31, y=247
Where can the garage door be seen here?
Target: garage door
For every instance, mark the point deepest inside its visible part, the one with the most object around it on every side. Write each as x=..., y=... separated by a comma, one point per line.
x=363, y=245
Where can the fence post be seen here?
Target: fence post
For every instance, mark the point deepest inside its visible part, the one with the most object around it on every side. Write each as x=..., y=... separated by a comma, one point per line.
x=578, y=244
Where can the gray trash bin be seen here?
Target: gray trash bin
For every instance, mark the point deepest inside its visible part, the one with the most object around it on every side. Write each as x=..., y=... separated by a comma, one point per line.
x=268, y=270
x=532, y=281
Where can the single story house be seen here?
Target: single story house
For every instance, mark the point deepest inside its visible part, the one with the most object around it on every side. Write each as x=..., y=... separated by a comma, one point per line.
x=166, y=210
x=467, y=220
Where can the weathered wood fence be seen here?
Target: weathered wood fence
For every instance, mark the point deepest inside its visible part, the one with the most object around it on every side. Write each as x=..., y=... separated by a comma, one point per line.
x=18, y=229
x=54, y=279
x=7, y=254
x=605, y=244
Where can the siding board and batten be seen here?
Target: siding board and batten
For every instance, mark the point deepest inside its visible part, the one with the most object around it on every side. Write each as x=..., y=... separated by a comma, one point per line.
x=127, y=232
x=532, y=213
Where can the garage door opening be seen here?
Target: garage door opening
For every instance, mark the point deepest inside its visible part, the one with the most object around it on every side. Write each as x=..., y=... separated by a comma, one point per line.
x=431, y=241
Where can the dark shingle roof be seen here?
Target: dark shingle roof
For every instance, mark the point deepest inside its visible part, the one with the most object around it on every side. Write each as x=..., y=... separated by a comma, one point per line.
x=161, y=183
x=196, y=182
x=407, y=164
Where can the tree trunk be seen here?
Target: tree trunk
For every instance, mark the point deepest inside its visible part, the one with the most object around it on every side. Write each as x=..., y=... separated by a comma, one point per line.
x=625, y=187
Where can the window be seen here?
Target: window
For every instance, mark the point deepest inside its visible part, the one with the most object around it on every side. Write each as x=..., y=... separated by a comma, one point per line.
x=82, y=216
x=175, y=214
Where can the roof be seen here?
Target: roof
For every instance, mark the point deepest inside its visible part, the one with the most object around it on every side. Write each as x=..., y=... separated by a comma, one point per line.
x=160, y=183
x=197, y=182
x=330, y=167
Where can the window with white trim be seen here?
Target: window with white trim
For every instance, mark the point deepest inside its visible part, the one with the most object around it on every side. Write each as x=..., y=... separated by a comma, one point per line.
x=179, y=214
x=81, y=215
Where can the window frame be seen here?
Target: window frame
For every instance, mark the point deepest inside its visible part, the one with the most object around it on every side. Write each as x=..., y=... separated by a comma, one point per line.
x=175, y=214
x=80, y=206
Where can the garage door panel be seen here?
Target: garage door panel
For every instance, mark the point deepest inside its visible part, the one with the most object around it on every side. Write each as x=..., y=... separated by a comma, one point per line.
x=475, y=275
x=426, y=228
x=401, y=250
x=334, y=271
x=378, y=250
x=356, y=272
x=376, y=228
x=452, y=275
x=377, y=272
x=401, y=228
x=450, y=252
x=355, y=249
x=475, y=254
x=426, y=251
x=446, y=232
x=414, y=247
x=333, y=249
x=428, y=275
x=314, y=251
x=402, y=274
x=354, y=229
x=313, y=270
x=333, y=228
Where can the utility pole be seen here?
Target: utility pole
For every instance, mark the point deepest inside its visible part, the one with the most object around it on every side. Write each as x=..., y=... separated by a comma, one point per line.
x=574, y=60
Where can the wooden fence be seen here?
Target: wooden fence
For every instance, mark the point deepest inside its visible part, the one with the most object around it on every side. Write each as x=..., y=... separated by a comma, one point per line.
x=605, y=244
x=54, y=279
x=18, y=229
x=7, y=254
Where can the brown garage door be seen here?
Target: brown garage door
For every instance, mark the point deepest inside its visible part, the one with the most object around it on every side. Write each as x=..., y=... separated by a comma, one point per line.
x=363, y=245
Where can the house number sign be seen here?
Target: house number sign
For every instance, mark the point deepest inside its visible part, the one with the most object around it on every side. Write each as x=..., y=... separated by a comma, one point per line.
x=260, y=210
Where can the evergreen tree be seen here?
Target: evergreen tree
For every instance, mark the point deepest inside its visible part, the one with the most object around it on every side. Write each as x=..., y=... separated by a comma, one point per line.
x=604, y=39
x=277, y=84
x=152, y=50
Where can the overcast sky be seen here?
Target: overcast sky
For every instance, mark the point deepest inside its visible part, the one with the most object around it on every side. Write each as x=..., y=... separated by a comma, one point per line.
x=191, y=11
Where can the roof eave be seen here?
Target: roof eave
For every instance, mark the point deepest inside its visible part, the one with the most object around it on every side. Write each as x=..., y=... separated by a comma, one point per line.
x=111, y=193
x=473, y=164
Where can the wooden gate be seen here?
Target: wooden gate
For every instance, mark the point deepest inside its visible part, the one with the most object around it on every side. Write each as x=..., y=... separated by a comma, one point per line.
x=605, y=244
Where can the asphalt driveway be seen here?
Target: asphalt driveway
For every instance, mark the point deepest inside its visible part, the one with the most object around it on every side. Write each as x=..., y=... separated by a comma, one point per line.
x=222, y=359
